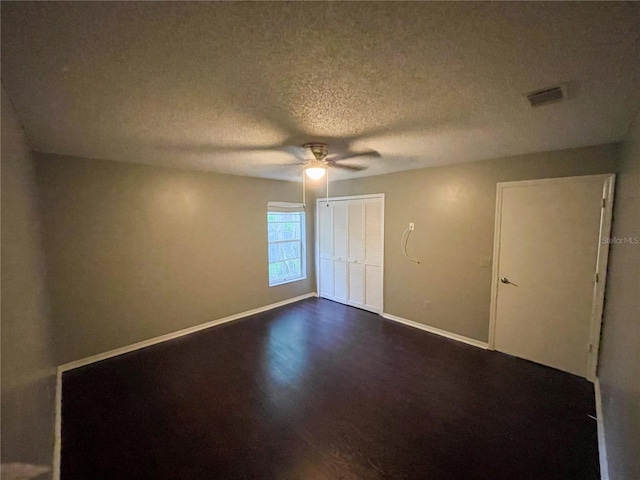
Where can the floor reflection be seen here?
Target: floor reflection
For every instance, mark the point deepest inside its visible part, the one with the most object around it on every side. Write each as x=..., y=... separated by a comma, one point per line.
x=286, y=351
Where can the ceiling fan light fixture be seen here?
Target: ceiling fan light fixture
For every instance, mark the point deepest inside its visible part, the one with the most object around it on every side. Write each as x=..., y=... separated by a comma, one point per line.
x=315, y=173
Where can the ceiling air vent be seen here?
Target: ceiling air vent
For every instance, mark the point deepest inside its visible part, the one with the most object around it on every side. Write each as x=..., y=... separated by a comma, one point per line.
x=547, y=95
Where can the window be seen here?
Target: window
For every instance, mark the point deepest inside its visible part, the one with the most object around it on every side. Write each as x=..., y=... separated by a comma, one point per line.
x=285, y=227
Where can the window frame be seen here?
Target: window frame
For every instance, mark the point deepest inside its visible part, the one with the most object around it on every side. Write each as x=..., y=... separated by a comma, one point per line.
x=281, y=208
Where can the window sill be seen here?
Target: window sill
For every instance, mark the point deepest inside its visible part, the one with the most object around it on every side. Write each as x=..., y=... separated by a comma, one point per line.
x=297, y=279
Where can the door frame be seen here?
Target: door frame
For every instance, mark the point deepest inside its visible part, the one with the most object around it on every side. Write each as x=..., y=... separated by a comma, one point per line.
x=317, y=238
x=600, y=273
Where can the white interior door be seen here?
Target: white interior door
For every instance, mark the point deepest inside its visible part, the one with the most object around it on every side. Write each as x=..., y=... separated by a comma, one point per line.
x=547, y=246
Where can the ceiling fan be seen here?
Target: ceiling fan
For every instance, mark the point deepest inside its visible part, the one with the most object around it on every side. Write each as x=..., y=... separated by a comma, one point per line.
x=317, y=164
x=315, y=147
x=315, y=156
x=316, y=167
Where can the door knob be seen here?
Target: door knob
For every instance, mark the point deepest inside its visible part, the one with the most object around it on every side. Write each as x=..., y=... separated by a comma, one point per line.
x=506, y=281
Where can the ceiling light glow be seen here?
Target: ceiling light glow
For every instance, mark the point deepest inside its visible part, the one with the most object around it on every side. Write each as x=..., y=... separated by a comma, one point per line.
x=315, y=173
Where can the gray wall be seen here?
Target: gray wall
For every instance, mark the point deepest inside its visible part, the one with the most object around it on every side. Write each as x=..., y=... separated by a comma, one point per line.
x=135, y=251
x=453, y=209
x=619, y=369
x=28, y=376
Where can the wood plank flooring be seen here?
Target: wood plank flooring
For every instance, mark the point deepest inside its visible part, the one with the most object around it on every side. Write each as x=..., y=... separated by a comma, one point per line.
x=318, y=390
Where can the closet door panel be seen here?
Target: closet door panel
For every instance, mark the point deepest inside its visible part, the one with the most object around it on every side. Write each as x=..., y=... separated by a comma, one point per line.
x=325, y=221
x=355, y=249
x=373, y=241
x=340, y=279
x=356, y=231
x=356, y=285
x=373, y=288
x=374, y=252
x=325, y=251
x=340, y=230
x=326, y=278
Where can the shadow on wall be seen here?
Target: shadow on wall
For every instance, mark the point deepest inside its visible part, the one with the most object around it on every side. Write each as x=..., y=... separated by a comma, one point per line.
x=26, y=416
x=28, y=371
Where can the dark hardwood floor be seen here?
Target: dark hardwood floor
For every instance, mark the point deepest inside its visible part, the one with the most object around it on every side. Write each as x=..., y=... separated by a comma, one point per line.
x=318, y=390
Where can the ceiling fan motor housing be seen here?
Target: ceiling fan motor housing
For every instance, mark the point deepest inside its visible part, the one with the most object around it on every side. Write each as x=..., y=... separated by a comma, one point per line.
x=319, y=150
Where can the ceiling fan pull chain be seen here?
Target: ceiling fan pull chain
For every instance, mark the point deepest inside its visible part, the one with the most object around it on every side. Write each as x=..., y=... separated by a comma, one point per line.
x=327, y=187
x=304, y=191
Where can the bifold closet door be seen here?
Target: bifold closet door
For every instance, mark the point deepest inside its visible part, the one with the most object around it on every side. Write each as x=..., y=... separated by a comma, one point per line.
x=350, y=251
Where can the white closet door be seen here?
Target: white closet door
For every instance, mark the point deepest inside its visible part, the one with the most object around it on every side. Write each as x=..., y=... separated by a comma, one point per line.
x=340, y=232
x=350, y=251
x=355, y=250
x=325, y=251
x=373, y=254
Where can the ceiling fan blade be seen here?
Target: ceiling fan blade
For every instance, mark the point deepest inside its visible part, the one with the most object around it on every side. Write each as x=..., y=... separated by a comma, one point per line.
x=205, y=148
x=355, y=168
x=409, y=126
x=297, y=153
x=350, y=155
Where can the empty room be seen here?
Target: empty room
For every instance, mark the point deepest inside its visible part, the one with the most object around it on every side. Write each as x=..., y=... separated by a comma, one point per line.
x=320, y=240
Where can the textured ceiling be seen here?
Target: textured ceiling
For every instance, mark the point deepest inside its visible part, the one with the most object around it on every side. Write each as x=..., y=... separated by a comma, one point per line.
x=220, y=86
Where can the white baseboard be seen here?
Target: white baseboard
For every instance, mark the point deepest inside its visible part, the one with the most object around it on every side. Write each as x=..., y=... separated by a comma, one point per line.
x=180, y=333
x=602, y=446
x=57, y=448
x=437, y=331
